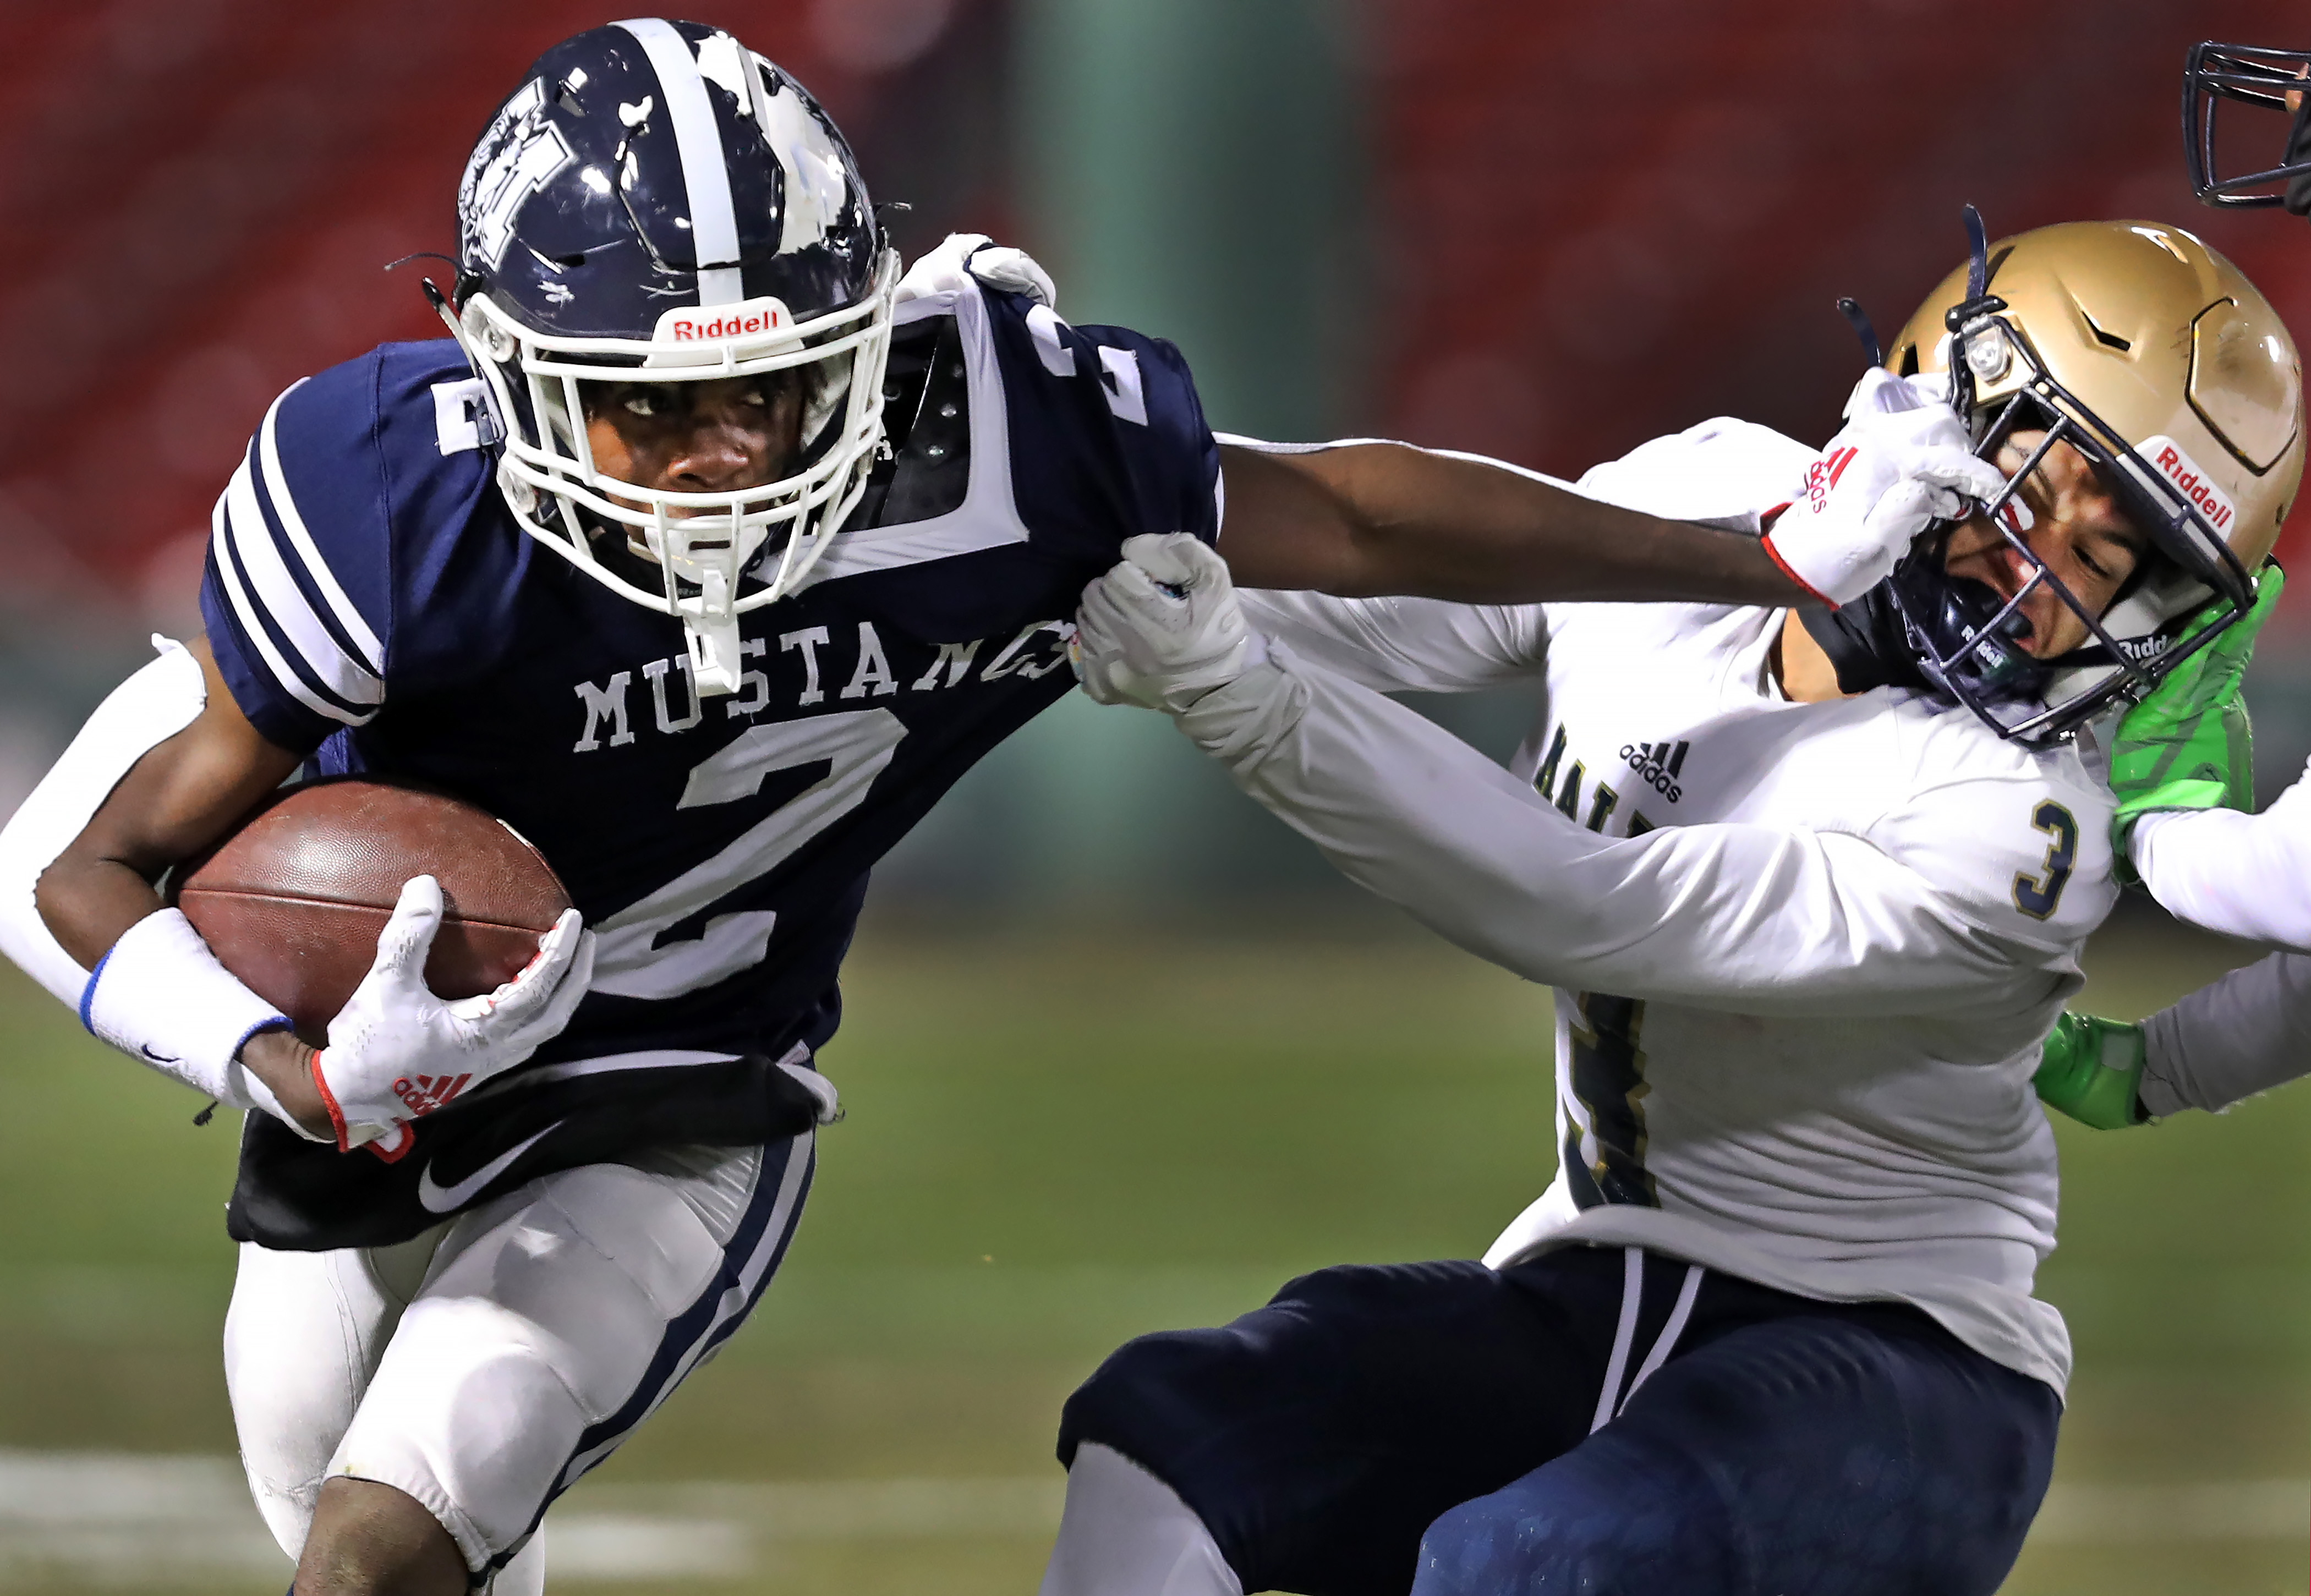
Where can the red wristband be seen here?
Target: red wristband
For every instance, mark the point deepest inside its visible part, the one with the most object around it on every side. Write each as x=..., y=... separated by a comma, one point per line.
x=328, y=1098
x=1775, y=554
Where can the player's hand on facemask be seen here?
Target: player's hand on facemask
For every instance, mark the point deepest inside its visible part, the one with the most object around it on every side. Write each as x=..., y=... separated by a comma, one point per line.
x=1162, y=628
x=397, y=1052
x=1901, y=463
x=2188, y=745
x=2091, y=1069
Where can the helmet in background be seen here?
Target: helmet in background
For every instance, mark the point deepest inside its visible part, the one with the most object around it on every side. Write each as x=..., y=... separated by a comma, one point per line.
x=2269, y=81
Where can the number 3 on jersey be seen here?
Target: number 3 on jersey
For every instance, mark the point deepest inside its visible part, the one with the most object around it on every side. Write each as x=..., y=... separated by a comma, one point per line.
x=856, y=745
x=2037, y=895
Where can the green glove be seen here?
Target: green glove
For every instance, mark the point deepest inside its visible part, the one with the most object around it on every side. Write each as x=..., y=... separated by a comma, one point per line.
x=2092, y=1071
x=2188, y=746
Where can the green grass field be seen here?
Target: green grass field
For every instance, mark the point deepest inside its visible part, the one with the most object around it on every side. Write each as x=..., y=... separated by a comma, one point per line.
x=1057, y=1141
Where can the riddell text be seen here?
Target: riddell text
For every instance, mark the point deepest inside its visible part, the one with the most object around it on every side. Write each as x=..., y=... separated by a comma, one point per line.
x=2207, y=498
x=726, y=327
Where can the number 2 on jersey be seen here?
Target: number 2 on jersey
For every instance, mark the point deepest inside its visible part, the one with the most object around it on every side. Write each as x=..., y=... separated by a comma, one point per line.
x=2036, y=895
x=856, y=746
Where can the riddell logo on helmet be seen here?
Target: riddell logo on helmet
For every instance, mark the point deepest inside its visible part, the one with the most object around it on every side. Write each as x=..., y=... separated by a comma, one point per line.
x=2183, y=475
x=709, y=324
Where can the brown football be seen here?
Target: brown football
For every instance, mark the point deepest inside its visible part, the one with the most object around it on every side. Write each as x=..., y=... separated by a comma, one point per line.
x=292, y=901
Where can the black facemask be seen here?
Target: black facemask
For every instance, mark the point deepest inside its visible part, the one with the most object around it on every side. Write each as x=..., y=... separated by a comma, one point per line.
x=1883, y=638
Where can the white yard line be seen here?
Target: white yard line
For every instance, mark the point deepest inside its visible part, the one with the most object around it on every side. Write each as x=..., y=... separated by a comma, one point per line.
x=126, y=1522
x=123, y=1522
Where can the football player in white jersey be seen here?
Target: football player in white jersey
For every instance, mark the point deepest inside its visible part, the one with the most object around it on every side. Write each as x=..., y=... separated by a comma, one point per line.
x=709, y=513
x=1811, y=892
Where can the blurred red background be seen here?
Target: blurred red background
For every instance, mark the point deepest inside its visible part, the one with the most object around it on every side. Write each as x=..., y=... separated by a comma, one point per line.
x=1587, y=224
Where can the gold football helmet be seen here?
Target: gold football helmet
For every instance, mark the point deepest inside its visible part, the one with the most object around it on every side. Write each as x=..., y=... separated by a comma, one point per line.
x=2156, y=359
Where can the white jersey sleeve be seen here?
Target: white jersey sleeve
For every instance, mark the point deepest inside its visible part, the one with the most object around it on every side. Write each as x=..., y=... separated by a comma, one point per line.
x=1723, y=473
x=2246, y=875
x=1406, y=645
x=1961, y=891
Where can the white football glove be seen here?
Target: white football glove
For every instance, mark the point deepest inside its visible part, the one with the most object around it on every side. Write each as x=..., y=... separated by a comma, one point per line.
x=943, y=270
x=1902, y=462
x=397, y=1052
x=1162, y=628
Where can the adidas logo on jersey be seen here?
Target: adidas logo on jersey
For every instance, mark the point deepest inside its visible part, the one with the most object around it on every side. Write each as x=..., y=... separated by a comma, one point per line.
x=1658, y=764
x=425, y=1092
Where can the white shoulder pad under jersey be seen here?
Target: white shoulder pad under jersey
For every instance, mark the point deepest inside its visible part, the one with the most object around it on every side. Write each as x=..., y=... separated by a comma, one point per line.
x=1725, y=472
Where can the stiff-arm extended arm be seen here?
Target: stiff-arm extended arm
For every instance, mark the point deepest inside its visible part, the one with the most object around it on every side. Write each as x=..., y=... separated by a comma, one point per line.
x=1755, y=919
x=1360, y=520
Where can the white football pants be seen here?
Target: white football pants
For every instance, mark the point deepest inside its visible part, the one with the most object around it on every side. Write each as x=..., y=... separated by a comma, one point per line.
x=484, y=1365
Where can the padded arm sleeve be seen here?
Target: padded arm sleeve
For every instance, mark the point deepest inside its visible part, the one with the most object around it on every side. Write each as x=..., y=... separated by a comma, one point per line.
x=167, y=989
x=146, y=711
x=1753, y=919
x=2247, y=1032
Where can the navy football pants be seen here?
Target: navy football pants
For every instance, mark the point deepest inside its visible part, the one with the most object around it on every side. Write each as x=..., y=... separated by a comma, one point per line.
x=1427, y=1428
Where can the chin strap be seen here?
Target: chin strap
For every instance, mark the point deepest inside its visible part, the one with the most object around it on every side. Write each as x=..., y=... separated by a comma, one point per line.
x=1867, y=644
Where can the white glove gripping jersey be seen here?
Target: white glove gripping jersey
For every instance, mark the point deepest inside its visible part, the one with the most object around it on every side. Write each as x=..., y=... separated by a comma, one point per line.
x=1804, y=954
x=371, y=599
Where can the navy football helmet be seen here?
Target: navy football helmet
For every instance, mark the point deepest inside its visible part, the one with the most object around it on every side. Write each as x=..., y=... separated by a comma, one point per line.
x=2270, y=81
x=657, y=202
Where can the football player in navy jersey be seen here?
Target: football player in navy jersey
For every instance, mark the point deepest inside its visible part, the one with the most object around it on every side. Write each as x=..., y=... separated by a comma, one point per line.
x=708, y=552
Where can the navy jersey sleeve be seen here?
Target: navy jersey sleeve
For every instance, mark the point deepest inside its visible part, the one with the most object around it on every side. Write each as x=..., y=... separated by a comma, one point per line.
x=1109, y=438
x=341, y=548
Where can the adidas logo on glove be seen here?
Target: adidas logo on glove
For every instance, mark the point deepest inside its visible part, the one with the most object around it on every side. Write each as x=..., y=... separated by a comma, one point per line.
x=425, y=1092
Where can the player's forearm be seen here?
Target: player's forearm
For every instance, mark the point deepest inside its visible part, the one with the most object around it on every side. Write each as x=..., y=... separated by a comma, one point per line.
x=171, y=765
x=2244, y=1033
x=86, y=902
x=1371, y=519
x=1749, y=918
x=285, y=1066
x=152, y=706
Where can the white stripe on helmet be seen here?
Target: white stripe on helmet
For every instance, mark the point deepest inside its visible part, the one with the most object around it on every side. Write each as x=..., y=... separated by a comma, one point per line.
x=705, y=165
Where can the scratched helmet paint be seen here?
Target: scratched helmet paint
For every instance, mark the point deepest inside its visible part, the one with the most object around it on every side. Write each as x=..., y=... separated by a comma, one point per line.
x=2156, y=359
x=656, y=203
